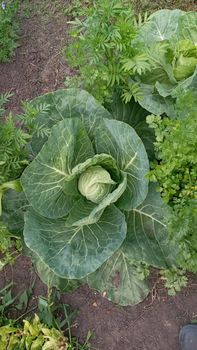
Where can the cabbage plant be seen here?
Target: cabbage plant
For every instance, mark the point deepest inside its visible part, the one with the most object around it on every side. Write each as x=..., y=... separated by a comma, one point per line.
x=90, y=214
x=169, y=59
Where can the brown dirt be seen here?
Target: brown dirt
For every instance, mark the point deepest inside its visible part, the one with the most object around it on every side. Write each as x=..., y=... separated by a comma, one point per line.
x=151, y=6
x=153, y=324
x=37, y=67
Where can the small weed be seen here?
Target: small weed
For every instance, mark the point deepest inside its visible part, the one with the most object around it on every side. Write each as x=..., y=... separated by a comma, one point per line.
x=8, y=302
x=10, y=246
x=45, y=329
x=174, y=280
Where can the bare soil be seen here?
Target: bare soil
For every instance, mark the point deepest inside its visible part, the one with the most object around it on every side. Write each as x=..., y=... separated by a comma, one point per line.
x=37, y=67
x=153, y=324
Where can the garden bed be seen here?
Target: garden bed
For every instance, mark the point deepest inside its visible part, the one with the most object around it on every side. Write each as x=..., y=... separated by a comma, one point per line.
x=153, y=324
x=38, y=67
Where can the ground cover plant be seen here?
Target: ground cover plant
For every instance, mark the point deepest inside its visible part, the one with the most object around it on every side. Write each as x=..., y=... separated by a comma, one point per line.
x=176, y=170
x=13, y=154
x=13, y=159
x=9, y=28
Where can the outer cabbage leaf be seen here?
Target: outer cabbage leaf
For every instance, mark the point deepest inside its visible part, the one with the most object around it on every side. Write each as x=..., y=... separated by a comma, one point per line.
x=147, y=242
x=48, y=182
x=74, y=252
x=50, y=278
x=70, y=103
x=187, y=27
x=14, y=206
x=161, y=26
x=125, y=146
x=161, y=98
x=119, y=279
x=164, y=90
x=134, y=115
x=154, y=102
x=147, y=239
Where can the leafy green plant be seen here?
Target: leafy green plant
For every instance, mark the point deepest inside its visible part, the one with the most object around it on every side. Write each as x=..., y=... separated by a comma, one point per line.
x=176, y=170
x=9, y=28
x=90, y=214
x=34, y=335
x=102, y=40
x=13, y=153
x=182, y=231
x=4, y=98
x=44, y=331
x=169, y=46
x=6, y=300
x=175, y=147
x=28, y=120
x=53, y=313
x=8, y=303
x=10, y=246
x=149, y=58
x=174, y=280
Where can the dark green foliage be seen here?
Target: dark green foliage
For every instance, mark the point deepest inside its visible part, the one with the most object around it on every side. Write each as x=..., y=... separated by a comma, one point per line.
x=13, y=153
x=14, y=157
x=15, y=134
x=103, y=40
x=176, y=172
x=182, y=230
x=9, y=28
x=28, y=119
x=10, y=302
x=174, y=280
x=10, y=246
x=147, y=58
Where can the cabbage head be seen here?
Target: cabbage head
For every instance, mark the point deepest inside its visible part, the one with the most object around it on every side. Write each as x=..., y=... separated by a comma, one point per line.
x=91, y=215
x=185, y=60
x=95, y=183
